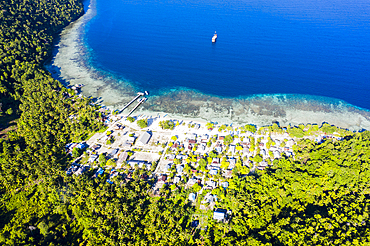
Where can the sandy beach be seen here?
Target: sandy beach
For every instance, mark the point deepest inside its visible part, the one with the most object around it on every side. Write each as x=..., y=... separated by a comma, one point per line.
x=70, y=66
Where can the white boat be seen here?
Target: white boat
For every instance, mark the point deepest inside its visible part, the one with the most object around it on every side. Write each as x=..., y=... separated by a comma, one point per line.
x=214, y=38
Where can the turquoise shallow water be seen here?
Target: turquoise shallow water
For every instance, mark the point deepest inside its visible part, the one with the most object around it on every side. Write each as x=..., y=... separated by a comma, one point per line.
x=317, y=48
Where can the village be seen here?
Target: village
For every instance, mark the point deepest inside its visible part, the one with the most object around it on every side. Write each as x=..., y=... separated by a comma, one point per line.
x=197, y=156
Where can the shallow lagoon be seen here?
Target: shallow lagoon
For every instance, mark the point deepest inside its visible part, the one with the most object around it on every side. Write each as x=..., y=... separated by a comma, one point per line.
x=262, y=68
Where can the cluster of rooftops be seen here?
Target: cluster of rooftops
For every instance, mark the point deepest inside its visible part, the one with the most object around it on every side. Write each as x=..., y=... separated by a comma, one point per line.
x=178, y=156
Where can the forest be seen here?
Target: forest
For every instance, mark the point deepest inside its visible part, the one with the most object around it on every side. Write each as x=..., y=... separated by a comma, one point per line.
x=319, y=197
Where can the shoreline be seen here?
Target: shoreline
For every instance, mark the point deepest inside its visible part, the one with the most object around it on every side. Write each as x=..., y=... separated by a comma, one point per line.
x=70, y=66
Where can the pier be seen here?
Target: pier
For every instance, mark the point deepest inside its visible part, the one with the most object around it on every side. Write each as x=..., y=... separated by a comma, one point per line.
x=140, y=102
x=139, y=94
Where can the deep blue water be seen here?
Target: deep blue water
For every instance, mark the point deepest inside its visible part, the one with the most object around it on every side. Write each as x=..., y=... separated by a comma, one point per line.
x=316, y=47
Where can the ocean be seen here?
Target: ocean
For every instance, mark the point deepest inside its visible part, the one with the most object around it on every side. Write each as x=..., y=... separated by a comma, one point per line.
x=313, y=47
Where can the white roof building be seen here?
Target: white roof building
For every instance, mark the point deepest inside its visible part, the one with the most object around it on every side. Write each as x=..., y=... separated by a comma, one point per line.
x=144, y=138
x=92, y=158
x=208, y=198
x=176, y=179
x=232, y=149
x=276, y=154
x=219, y=214
x=213, y=172
x=192, y=197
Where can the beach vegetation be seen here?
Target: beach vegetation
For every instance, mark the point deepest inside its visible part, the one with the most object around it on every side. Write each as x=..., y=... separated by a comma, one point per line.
x=222, y=128
x=250, y=128
x=228, y=139
x=210, y=125
x=142, y=123
x=167, y=124
x=131, y=119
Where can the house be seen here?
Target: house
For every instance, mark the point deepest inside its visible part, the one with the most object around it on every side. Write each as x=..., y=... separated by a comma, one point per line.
x=276, y=154
x=215, y=160
x=219, y=214
x=204, y=138
x=130, y=140
x=144, y=176
x=213, y=172
x=122, y=157
x=203, y=146
x=192, y=141
x=192, y=197
x=74, y=167
x=100, y=171
x=171, y=157
x=228, y=174
x=82, y=145
x=113, y=173
x=144, y=138
x=96, y=147
x=210, y=184
x=195, y=223
x=263, y=153
x=218, y=149
x=208, y=198
x=126, y=144
x=225, y=184
x=162, y=178
x=140, y=164
x=167, y=167
x=290, y=143
x=232, y=162
x=92, y=158
x=221, y=138
x=232, y=149
x=113, y=153
x=81, y=170
x=192, y=181
x=118, y=127
x=179, y=169
x=176, y=179
x=263, y=164
x=70, y=146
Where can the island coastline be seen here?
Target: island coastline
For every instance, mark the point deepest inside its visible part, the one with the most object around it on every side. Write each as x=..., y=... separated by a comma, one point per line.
x=70, y=66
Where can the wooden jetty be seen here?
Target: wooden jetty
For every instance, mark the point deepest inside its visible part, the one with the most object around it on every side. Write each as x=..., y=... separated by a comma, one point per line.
x=139, y=94
x=140, y=102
